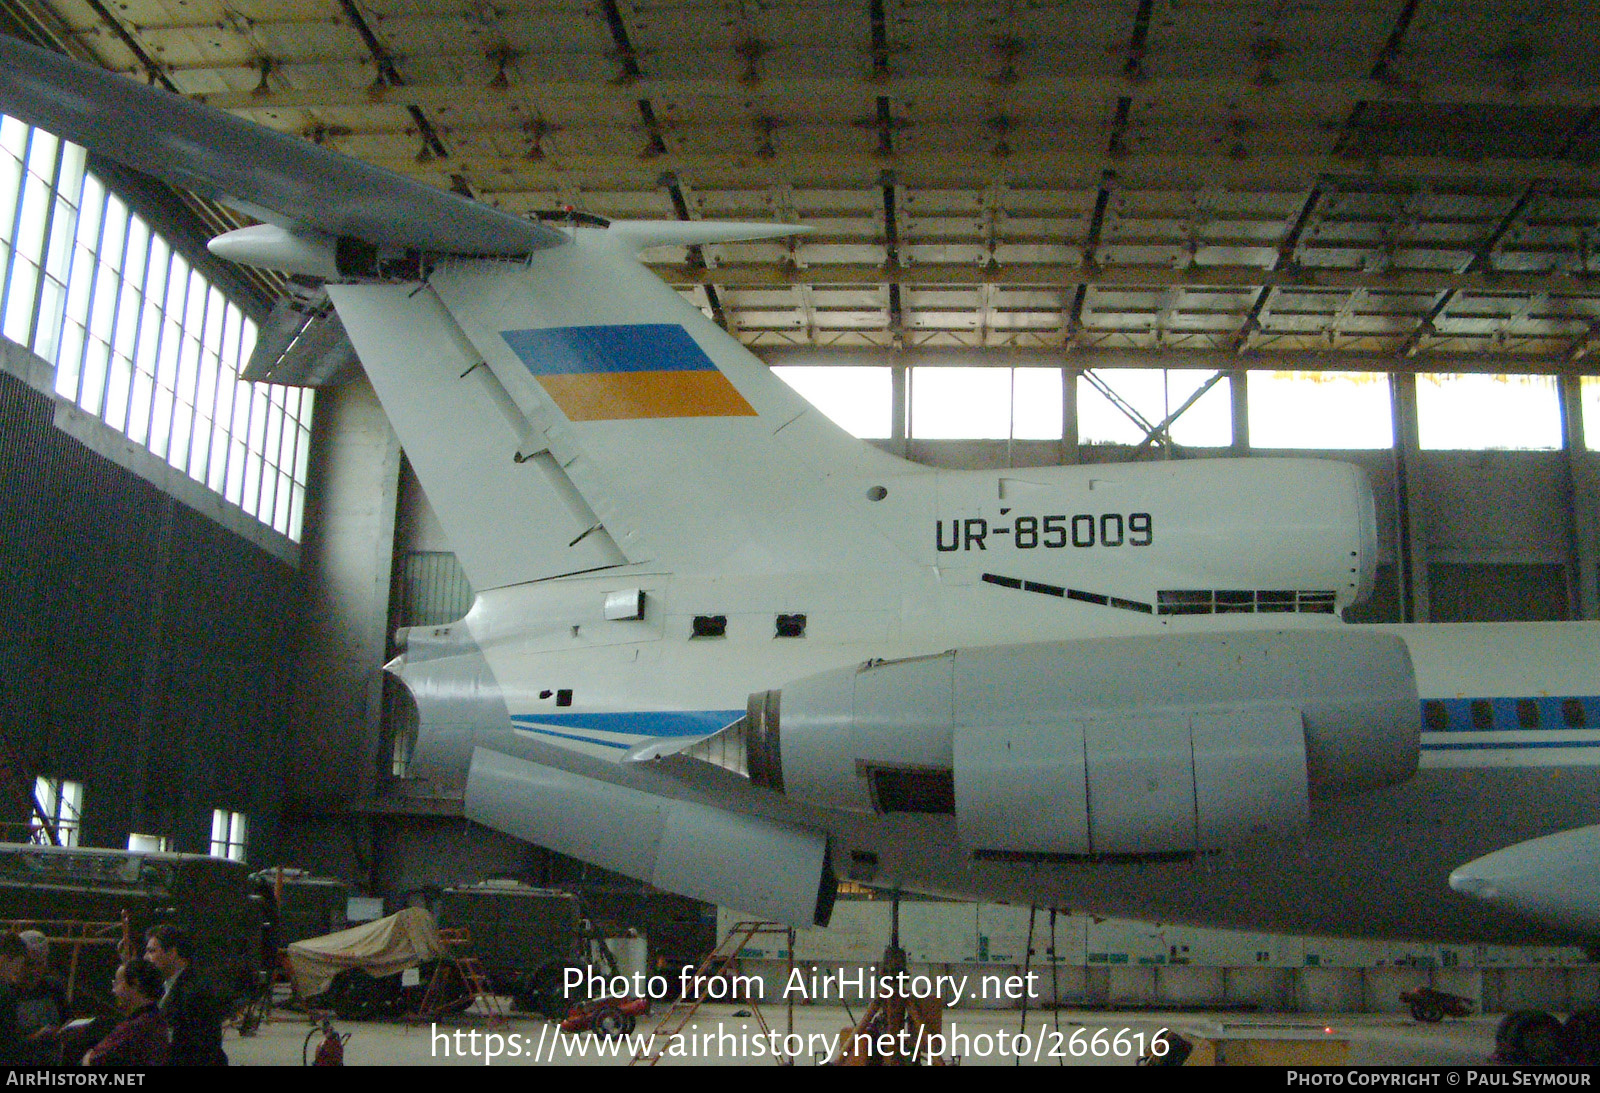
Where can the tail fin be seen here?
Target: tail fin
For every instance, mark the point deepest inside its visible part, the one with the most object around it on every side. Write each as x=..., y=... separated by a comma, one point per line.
x=570, y=412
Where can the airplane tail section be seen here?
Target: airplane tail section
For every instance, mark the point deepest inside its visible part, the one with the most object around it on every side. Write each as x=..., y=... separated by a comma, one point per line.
x=512, y=511
x=569, y=412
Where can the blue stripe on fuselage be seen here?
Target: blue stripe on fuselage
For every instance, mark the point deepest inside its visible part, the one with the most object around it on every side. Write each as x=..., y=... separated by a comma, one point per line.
x=570, y=736
x=1514, y=745
x=1531, y=714
x=647, y=723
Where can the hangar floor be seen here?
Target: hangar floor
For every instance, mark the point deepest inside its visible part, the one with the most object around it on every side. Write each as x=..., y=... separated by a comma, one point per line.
x=727, y=1035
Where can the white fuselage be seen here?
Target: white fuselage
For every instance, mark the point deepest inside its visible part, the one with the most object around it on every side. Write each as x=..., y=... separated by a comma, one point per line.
x=1376, y=864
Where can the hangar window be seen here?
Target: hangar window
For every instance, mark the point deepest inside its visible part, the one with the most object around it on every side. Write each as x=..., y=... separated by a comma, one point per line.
x=1589, y=398
x=1339, y=411
x=140, y=338
x=1037, y=398
x=61, y=802
x=1481, y=412
x=228, y=833
x=858, y=400
x=1122, y=405
x=152, y=844
x=959, y=403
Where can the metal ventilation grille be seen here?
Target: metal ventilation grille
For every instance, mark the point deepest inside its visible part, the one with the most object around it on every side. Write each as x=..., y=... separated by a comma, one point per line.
x=1244, y=601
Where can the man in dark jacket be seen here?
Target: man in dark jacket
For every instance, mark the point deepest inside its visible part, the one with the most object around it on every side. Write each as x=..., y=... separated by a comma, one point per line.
x=191, y=1009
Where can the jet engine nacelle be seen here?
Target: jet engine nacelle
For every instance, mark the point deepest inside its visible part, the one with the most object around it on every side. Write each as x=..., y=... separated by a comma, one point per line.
x=1119, y=746
x=776, y=870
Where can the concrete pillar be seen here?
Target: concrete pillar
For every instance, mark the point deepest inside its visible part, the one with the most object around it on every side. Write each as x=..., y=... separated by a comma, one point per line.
x=899, y=409
x=1583, y=558
x=1411, y=552
x=1069, y=416
x=1239, y=399
x=347, y=560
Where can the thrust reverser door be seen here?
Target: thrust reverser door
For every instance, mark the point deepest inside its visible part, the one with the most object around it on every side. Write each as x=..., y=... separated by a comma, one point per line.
x=1136, y=784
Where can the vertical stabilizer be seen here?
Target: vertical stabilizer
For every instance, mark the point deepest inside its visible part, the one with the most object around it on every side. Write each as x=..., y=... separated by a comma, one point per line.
x=512, y=514
x=570, y=411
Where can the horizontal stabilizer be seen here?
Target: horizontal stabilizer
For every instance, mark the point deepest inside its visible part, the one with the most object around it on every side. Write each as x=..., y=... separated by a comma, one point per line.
x=217, y=155
x=644, y=234
x=302, y=344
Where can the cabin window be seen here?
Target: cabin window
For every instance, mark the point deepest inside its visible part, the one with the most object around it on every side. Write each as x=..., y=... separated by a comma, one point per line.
x=1435, y=718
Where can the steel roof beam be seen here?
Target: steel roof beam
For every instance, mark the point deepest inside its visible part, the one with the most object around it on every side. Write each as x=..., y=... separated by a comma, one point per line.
x=1109, y=359
x=927, y=275
x=976, y=168
x=1053, y=93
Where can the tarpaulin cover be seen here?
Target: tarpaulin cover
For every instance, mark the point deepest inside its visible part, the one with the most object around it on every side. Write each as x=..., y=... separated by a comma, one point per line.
x=385, y=947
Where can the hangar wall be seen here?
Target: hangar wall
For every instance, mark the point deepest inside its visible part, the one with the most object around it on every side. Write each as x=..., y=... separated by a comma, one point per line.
x=145, y=649
x=1108, y=963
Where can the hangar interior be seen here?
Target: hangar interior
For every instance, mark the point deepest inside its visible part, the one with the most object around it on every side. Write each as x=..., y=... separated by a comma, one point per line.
x=1043, y=233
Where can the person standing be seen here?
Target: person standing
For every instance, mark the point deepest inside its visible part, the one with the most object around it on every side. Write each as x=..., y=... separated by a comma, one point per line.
x=142, y=1037
x=13, y=965
x=190, y=1008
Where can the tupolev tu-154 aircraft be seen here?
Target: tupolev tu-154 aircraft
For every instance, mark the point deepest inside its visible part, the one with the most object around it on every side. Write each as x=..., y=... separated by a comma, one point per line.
x=722, y=646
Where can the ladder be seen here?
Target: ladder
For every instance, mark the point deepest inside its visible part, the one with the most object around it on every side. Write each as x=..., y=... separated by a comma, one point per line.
x=442, y=995
x=721, y=960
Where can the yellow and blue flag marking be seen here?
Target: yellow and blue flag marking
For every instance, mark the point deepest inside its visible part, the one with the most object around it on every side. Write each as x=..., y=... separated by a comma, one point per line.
x=622, y=373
